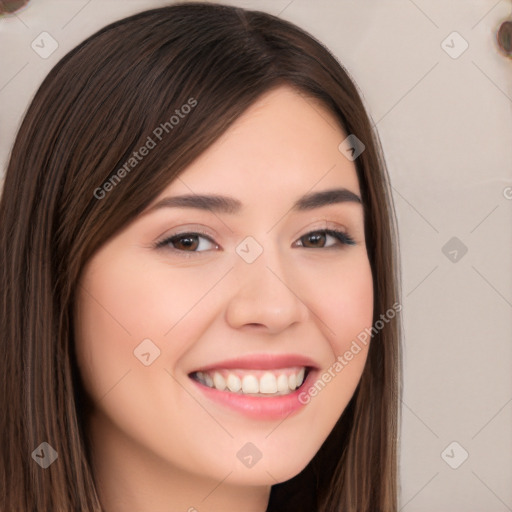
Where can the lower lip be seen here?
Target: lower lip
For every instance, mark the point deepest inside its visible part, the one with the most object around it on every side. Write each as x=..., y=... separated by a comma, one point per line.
x=259, y=407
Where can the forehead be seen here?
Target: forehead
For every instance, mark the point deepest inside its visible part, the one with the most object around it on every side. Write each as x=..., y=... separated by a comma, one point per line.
x=286, y=142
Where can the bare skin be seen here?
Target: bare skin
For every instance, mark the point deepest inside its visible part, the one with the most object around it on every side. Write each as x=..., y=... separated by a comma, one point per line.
x=159, y=443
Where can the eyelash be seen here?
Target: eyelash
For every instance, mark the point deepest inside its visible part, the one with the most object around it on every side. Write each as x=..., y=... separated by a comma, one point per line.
x=342, y=237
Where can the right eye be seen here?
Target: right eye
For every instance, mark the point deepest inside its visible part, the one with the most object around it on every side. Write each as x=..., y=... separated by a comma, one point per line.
x=185, y=242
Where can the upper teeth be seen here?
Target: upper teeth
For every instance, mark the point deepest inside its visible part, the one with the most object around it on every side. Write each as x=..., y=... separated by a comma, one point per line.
x=276, y=382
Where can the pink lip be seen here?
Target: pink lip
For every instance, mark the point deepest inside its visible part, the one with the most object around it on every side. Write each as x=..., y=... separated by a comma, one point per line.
x=261, y=362
x=261, y=408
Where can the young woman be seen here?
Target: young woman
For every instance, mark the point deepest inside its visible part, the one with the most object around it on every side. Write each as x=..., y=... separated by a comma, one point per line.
x=198, y=277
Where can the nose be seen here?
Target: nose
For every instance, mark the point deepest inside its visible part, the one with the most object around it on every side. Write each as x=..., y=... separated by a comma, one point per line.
x=265, y=296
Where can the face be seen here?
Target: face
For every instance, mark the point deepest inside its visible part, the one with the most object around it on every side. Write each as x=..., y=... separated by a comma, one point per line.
x=254, y=300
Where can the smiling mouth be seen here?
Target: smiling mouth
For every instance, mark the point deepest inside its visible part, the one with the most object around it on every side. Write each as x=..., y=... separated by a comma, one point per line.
x=261, y=383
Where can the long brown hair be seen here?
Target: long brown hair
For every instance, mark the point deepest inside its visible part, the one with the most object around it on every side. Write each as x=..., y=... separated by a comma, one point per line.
x=96, y=107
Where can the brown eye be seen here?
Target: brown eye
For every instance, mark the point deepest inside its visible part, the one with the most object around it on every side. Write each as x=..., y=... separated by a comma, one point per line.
x=314, y=238
x=185, y=242
x=320, y=236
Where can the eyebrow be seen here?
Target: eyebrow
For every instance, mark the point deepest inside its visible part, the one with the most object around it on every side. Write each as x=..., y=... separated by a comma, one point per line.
x=230, y=205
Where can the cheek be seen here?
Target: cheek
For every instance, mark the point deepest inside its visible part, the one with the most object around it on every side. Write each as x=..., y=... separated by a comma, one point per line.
x=343, y=300
x=121, y=305
x=103, y=338
x=116, y=310
x=345, y=307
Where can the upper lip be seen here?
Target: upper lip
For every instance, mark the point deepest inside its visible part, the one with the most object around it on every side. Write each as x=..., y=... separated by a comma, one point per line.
x=261, y=362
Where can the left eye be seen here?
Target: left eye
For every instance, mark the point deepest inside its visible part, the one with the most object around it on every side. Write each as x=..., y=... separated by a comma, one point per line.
x=340, y=236
x=187, y=242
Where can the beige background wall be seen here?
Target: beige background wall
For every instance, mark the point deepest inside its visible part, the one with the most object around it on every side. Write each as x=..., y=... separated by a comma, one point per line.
x=445, y=122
